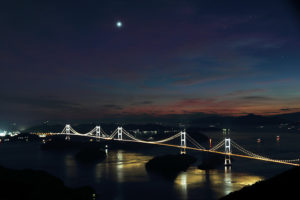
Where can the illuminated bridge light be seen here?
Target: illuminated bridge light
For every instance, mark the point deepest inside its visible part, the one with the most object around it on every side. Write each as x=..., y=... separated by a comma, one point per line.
x=227, y=142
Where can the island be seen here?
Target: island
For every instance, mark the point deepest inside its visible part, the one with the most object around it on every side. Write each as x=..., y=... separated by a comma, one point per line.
x=211, y=161
x=169, y=166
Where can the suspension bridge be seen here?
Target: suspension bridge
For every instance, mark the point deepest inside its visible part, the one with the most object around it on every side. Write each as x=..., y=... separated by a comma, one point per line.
x=227, y=144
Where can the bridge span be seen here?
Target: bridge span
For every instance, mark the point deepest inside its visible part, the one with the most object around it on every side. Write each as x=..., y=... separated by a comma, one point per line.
x=227, y=143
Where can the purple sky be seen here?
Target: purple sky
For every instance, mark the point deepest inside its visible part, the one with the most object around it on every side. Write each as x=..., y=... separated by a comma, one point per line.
x=69, y=60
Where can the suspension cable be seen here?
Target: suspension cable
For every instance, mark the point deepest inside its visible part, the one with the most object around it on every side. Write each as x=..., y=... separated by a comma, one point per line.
x=192, y=140
x=218, y=146
x=249, y=153
x=145, y=141
x=88, y=133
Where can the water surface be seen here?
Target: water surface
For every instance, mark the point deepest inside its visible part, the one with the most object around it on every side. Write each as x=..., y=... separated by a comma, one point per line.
x=122, y=174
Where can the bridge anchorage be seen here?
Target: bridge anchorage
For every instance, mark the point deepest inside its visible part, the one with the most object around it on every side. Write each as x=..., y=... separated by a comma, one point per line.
x=227, y=145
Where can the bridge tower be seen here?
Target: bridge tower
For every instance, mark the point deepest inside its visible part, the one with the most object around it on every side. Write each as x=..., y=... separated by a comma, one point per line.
x=227, y=147
x=98, y=133
x=183, y=142
x=120, y=133
x=68, y=131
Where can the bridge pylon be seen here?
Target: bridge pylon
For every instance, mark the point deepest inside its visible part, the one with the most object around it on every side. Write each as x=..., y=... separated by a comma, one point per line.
x=183, y=142
x=68, y=132
x=120, y=133
x=227, y=147
x=98, y=133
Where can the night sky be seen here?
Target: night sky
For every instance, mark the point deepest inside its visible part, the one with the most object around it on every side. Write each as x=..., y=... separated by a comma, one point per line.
x=69, y=60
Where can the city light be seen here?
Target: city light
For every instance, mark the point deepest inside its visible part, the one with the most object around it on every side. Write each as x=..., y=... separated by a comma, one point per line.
x=6, y=133
x=3, y=133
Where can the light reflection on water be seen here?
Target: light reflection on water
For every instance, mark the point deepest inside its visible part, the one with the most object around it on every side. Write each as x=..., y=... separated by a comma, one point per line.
x=71, y=167
x=127, y=166
x=181, y=181
x=98, y=172
x=123, y=167
x=227, y=180
x=221, y=182
x=122, y=172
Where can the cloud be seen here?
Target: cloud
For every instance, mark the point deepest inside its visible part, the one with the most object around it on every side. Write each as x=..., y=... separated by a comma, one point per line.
x=194, y=102
x=268, y=113
x=112, y=106
x=147, y=102
x=41, y=102
x=257, y=98
x=289, y=109
x=276, y=81
x=197, y=80
x=245, y=92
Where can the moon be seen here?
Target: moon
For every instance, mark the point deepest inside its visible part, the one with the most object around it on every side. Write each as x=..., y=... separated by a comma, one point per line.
x=119, y=24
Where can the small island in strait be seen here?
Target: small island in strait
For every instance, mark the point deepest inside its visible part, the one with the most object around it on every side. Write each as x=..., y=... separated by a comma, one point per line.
x=169, y=166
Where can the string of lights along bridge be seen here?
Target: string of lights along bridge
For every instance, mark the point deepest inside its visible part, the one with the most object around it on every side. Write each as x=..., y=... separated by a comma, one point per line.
x=227, y=143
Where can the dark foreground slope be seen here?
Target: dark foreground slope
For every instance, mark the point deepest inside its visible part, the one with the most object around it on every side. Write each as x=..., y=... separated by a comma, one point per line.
x=37, y=185
x=283, y=186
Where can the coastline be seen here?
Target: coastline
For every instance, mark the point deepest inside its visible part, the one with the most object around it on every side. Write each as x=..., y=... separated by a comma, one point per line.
x=284, y=185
